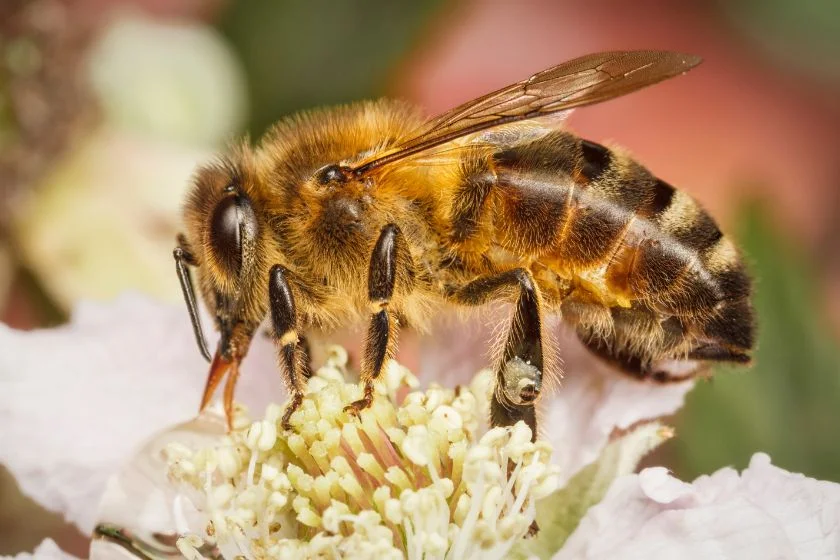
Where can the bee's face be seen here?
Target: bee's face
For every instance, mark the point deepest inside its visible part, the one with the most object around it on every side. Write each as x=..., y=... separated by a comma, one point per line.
x=224, y=233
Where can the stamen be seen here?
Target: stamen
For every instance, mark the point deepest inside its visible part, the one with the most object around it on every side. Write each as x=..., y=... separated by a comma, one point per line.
x=420, y=478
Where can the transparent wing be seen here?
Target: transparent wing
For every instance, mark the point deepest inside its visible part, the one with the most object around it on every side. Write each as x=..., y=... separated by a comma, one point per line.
x=583, y=81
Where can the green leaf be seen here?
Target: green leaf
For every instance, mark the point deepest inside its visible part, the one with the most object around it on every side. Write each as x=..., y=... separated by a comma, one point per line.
x=558, y=515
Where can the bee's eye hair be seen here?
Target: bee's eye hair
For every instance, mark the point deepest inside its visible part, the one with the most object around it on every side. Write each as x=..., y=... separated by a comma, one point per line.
x=232, y=226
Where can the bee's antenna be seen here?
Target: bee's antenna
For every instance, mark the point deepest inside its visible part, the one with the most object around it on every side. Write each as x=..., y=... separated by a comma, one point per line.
x=181, y=257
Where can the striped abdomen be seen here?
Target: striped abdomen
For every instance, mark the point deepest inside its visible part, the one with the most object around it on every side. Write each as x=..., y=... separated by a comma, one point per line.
x=646, y=273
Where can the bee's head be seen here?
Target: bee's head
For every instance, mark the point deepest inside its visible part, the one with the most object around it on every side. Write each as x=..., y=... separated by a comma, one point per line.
x=225, y=233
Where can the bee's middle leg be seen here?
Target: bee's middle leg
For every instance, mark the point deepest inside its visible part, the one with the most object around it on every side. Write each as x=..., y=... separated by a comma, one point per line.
x=293, y=354
x=519, y=372
x=390, y=264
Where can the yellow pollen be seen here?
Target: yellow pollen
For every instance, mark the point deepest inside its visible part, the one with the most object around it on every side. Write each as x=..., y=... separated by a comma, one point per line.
x=418, y=478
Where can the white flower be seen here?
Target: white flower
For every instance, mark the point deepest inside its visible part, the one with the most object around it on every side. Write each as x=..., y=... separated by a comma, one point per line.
x=765, y=512
x=76, y=402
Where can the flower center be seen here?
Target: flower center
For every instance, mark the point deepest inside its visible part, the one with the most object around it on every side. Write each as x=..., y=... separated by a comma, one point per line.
x=413, y=477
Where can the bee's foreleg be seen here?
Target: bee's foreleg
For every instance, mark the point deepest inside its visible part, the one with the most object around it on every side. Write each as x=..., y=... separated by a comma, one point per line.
x=390, y=266
x=520, y=369
x=292, y=354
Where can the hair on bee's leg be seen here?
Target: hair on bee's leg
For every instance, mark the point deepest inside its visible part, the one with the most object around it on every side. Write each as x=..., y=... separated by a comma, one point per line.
x=291, y=353
x=305, y=357
x=603, y=331
x=390, y=264
x=519, y=373
x=305, y=350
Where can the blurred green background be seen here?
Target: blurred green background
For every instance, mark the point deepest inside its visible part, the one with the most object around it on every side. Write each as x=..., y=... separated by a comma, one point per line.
x=106, y=107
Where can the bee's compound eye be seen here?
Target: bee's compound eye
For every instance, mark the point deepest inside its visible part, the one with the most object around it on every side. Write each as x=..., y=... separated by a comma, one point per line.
x=233, y=224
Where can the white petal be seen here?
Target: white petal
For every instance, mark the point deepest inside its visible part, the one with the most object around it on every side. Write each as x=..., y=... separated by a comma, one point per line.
x=560, y=513
x=593, y=401
x=766, y=512
x=456, y=348
x=661, y=488
x=76, y=401
x=47, y=550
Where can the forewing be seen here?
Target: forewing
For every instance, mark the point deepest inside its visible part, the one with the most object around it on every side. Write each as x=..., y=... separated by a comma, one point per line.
x=583, y=81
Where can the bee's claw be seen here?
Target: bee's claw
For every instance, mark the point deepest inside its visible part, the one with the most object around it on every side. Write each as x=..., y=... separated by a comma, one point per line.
x=293, y=405
x=532, y=530
x=355, y=408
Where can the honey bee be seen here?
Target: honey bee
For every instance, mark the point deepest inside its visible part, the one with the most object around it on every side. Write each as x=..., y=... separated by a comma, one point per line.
x=369, y=212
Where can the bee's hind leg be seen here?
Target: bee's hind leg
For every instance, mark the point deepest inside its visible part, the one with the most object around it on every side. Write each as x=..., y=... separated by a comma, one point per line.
x=520, y=369
x=598, y=328
x=292, y=352
x=519, y=372
x=664, y=371
x=391, y=268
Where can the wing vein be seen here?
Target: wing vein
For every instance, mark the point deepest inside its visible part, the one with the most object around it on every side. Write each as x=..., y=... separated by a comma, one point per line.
x=582, y=81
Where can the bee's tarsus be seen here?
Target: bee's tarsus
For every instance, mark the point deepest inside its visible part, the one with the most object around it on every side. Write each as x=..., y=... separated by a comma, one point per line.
x=355, y=408
x=230, y=387
x=305, y=352
x=377, y=343
x=294, y=404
